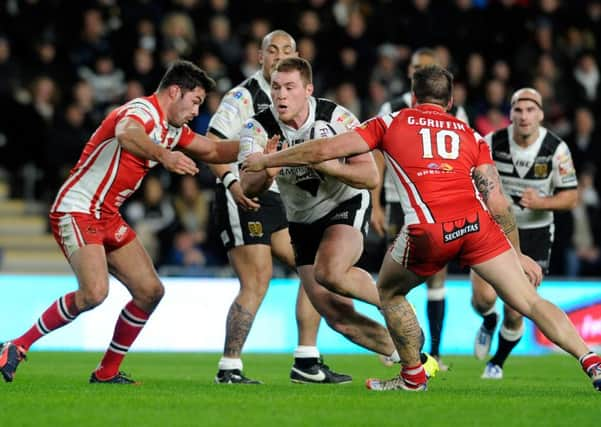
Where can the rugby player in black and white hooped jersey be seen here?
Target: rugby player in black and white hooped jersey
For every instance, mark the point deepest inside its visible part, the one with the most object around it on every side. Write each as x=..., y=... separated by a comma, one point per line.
x=254, y=230
x=389, y=220
x=327, y=204
x=538, y=175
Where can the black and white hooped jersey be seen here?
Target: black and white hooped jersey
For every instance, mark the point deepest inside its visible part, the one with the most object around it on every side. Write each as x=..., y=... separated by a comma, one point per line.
x=242, y=102
x=546, y=165
x=307, y=194
x=404, y=101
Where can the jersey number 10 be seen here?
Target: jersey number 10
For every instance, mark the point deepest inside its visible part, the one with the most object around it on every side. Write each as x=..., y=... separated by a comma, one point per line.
x=447, y=143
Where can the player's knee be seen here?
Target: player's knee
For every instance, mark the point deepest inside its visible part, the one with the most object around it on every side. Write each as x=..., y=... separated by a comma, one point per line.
x=330, y=277
x=93, y=297
x=254, y=290
x=155, y=294
x=483, y=301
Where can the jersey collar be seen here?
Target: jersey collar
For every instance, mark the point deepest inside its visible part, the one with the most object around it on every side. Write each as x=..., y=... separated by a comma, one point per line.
x=263, y=84
x=430, y=107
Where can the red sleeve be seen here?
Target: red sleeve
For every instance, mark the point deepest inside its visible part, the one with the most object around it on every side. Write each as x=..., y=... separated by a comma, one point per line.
x=186, y=137
x=484, y=156
x=372, y=131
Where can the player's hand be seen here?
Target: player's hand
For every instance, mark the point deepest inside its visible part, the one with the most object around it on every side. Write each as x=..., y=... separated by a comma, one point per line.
x=272, y=145
x=378, y=219
x=531, y=199
x=531, y=269
x=178, y=162
x=254, y=163
x=241, y=200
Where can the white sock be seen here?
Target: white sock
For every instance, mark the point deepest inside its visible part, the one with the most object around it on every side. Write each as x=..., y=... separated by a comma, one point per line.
x=306, y=351
x=436, y=294
x=228, y=363
x=491, y=310
x=510, y=335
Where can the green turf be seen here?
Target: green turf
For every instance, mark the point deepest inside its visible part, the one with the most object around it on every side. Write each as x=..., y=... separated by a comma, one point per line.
x=51, y=389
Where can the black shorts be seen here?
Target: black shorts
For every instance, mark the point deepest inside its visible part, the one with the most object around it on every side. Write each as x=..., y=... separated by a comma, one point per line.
x=536, y=243
x=307, y=237
x=238, y=227
x=395, y=219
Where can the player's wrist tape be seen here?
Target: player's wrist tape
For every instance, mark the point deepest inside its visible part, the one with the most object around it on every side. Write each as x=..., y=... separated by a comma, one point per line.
x=228, y=179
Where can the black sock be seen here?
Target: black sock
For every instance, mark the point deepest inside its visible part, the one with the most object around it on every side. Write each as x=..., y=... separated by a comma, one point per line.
x=436, y=310
x=490, y=321
x=305, y=362
x=503, y=350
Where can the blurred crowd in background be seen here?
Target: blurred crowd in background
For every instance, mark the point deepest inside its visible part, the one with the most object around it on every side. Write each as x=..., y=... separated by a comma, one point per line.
x=64, y=64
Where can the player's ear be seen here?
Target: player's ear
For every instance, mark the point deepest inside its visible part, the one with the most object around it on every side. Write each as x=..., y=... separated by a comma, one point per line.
x=260, y=56
x=173, y=91
x=541, y=115
x=309, y=89
x=450, y=104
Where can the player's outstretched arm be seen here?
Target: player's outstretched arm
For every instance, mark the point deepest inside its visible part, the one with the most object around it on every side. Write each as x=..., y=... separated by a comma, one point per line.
x=132, y=136
x=255, y=182
x=310, y=152
x=211, y=151
x=358, y=171
x=234, y=187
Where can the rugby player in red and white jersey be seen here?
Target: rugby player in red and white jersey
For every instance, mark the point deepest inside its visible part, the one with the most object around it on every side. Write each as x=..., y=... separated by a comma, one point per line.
x=454, y=208
x=85, y=217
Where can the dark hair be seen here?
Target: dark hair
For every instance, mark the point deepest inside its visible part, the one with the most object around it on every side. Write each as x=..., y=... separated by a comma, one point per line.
x=299, y=64
x=432, y=84
x=187, y=76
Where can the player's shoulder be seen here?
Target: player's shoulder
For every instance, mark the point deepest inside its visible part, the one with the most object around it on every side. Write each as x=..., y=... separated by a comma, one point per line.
x=337, y=115
x=238, y=94
x=143, y=107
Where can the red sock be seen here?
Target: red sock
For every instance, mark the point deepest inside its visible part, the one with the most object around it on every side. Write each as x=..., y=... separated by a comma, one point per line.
x=588, y=360
x=130, y=323
x=414, y=375
x=60, y=313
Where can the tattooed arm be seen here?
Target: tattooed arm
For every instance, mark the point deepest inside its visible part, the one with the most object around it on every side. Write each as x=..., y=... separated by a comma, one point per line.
x=488, y=184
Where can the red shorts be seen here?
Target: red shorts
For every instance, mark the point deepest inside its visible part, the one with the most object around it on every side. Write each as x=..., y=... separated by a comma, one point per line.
x=75, y=230
x=426, y=248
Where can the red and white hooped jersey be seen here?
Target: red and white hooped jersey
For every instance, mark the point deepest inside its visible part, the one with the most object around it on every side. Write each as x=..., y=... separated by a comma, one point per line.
x=106, y=174
x=432, y=155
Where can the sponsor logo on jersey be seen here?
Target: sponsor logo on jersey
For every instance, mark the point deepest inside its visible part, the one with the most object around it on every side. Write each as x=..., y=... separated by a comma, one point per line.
x=454, y=230
x=249, y=125
x=541, y=170
x=255, y=229
x=340, y=215
x=261, y=107
x=238, y=94
x=120, y=234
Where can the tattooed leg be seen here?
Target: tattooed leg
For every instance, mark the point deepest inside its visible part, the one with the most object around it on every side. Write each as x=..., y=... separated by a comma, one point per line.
x=238, y=324
x=404, y=329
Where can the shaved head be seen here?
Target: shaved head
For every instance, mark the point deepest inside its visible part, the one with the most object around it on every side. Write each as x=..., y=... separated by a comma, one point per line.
x=267, y=39
x=527, y=94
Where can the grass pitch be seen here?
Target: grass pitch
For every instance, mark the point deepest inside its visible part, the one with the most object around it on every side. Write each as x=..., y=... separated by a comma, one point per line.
x=51, y=389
